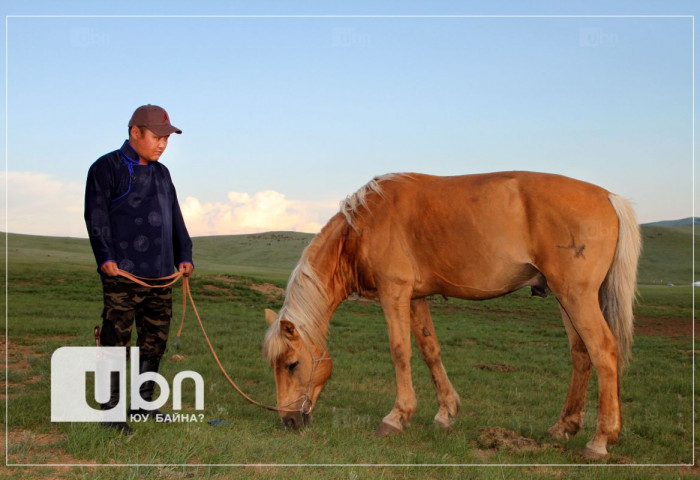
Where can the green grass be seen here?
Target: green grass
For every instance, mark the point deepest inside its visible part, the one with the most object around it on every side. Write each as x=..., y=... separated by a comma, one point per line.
x=55, y=300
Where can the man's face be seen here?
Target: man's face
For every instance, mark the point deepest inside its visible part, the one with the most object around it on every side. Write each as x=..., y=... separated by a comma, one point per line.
x=147, y=144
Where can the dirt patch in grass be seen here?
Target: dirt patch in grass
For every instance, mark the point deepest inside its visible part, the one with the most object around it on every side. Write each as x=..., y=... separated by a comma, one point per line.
x=272, y=291
x=680, y=329
x=19, y=360
x=39, y=452
x=209, y=290
x=268, y=289
x=17, y=355
x=28, y=446
x=497, y=438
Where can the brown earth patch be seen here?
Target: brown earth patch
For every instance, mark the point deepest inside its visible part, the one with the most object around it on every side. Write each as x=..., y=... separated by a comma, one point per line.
x=499, y=438
x=272, y=291
x=38, y=449
x=671, y=327
x=27, y=446
x=228, y=280
x=19, y=360
x=18, y=355
x=209, y=289
x=39, y=439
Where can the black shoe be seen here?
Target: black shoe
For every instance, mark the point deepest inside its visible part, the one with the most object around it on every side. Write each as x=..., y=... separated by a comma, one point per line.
x=121, y=427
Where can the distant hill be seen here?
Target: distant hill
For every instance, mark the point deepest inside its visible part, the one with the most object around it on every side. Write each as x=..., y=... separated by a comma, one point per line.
x=273, y=254
x=683, y=222
x=666, y=255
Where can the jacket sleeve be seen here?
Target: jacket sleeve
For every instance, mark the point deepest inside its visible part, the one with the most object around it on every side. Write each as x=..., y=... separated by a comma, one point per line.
x=182, y=243
x=98, y=194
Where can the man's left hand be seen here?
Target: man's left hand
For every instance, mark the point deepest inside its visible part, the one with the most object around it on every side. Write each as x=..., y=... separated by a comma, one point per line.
x=186, y=269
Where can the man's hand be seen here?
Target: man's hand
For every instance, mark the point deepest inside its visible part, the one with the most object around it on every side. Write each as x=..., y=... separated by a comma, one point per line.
x=110, y=269
x=186, y=269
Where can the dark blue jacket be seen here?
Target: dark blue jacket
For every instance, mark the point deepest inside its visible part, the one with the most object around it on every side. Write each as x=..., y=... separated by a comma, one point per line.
x=133, y=216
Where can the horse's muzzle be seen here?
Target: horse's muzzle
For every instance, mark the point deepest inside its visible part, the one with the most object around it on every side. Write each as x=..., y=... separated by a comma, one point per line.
x=296, y=420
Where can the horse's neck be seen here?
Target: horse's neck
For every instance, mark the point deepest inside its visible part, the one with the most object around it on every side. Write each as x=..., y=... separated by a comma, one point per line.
x=328, y=257
x=318, y=285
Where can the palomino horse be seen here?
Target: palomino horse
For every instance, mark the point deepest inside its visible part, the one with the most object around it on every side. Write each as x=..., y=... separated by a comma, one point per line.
x=403, y=237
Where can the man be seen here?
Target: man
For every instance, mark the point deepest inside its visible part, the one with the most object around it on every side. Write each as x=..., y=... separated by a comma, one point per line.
x=135, y=225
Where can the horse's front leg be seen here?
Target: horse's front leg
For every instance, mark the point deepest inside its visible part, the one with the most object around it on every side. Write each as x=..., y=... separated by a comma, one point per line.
x=397, y=310
x=424, y=333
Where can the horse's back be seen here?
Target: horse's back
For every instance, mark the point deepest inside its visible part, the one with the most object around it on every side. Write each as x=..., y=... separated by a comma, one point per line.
x=488, y=233
x=489, y=204
x=487, y=186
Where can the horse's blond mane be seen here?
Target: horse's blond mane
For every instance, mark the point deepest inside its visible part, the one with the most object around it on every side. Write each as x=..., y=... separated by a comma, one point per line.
x=305, y=306
x=351, y=205
x=306, y=301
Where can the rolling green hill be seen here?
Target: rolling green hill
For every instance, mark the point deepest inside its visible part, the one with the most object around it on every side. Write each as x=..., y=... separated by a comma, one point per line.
x=682, y=222
x=273, y=255
x=666, y=258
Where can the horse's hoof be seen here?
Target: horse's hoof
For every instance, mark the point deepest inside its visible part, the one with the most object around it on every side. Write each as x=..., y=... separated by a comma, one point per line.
x=594, y=454
x=384, y=430
x=558, y=432
x=443, y=423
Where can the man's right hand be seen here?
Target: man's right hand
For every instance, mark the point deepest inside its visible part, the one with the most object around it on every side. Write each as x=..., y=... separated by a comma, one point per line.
x=110, y=269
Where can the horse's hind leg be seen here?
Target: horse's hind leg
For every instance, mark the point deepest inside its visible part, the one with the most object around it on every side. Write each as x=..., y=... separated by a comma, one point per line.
x=588, y=321
x=424, y=333
x=571, y=418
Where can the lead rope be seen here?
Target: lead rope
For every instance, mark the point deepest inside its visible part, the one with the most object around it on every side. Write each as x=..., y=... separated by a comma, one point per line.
x=187, y=293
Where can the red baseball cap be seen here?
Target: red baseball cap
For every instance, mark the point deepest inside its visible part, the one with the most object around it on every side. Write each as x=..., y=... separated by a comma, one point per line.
x=155, y=119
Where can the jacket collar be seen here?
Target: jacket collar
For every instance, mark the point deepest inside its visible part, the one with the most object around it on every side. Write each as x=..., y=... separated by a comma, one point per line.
x=129, y=153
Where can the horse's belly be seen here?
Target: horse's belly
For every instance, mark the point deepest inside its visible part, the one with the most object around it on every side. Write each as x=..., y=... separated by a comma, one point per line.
x=487, y=284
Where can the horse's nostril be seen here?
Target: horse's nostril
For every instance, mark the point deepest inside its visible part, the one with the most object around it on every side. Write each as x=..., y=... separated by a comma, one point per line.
x=290, y=422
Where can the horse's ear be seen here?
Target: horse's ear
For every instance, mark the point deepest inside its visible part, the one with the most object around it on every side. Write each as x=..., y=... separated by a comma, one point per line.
x=270, y=316
x=288, y=330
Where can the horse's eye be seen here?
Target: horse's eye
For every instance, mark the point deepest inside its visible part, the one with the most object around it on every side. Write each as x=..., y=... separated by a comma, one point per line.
x=292, y=366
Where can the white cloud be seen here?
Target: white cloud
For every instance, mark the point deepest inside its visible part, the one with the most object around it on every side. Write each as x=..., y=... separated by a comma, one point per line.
x=260, y=212
x=39, y=204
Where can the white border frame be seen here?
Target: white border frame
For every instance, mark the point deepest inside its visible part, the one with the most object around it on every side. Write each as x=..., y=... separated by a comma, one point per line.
x=386, y=465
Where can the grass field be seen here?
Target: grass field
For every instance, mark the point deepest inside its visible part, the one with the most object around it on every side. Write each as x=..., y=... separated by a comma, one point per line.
x=507, y=358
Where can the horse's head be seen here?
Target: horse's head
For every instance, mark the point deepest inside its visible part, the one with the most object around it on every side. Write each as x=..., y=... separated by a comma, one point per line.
x=301, y=369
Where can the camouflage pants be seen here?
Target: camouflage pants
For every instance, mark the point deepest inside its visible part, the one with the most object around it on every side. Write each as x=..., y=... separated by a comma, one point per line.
x=151, y=309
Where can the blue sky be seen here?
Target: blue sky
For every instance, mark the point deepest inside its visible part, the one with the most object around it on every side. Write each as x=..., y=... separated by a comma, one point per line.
x=285, y=116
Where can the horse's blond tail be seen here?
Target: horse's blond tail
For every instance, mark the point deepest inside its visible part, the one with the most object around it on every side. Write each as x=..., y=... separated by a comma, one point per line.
x=619, y=290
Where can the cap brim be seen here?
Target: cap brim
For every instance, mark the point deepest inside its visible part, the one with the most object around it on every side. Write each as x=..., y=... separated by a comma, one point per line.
x=164, y=130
